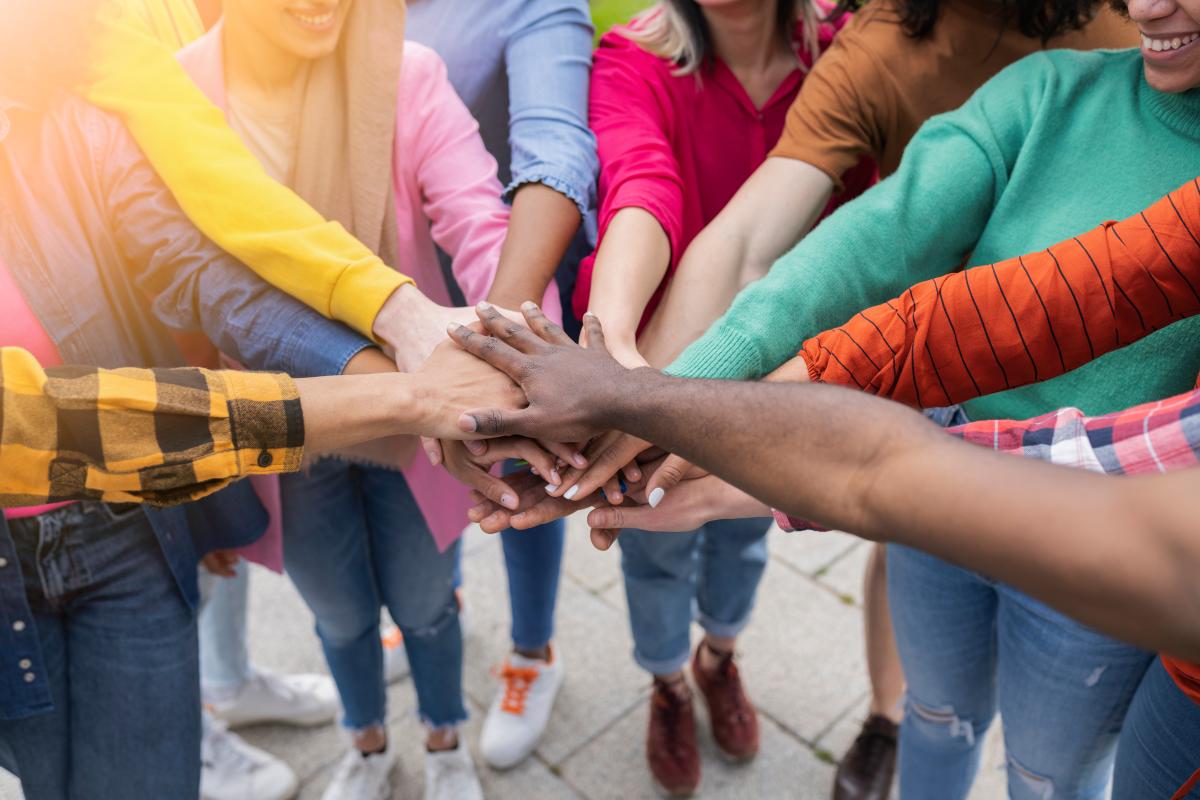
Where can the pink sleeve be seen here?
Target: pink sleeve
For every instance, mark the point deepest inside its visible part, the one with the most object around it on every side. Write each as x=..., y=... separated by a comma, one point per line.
x=460, y=191
x=632, y=122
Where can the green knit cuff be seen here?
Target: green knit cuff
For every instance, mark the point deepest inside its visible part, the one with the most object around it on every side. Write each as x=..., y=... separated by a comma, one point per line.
x=723, y=353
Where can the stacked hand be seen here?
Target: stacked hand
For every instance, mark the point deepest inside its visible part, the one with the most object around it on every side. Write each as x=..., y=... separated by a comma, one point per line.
x=571, y=392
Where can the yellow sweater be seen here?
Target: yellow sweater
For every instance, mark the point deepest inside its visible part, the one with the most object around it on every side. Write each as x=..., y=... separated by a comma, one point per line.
x=216, y=180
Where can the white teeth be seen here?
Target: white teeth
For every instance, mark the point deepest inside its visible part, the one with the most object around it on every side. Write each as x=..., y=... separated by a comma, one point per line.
x=1161, y=45
x=308, y=19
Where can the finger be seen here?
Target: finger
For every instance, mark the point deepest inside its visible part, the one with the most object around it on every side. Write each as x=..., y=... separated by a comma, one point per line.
x=476, y=447
x=498, y=422
x=666, y=477
x=632, y=472
x=612, y=491
x=595, y=332
x=604, y=466
x=433, y=450
x=487, y=348
x=545, y=463
x=569, y=453
x=540, y=324
x=604, y=538
x=496, y=522
x=548, y=510
x=512, y=333
x=491, y=487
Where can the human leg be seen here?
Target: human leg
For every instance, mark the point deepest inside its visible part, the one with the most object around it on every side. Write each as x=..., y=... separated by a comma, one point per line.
x=1159, y=747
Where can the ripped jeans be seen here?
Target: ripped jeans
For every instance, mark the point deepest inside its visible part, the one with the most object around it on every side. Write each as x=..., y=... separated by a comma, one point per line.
x=354, y=541
x=970, y=647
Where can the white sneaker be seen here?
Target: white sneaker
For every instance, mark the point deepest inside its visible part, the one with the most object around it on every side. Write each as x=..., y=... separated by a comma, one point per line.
x=450, y=775
x=395, y=659
x=360, y=777
x=288, y=699
x=518, y=716
x=230, y=769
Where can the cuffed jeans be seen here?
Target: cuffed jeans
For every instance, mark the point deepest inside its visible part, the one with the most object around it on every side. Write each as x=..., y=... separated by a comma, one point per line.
x=119, y=641
x=970, y=646
x=1159, y=747
x=710, y=575
x=354, y=541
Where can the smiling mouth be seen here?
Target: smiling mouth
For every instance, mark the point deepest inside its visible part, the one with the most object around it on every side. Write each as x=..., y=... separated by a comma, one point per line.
x=1167, y=44
x=314, y=20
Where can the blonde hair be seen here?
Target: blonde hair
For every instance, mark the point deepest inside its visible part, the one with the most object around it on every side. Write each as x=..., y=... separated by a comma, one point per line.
x=665, y=30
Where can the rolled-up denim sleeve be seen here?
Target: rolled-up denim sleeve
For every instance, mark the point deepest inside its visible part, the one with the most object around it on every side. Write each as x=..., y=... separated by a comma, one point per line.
x=548, y=58
x=196, y=285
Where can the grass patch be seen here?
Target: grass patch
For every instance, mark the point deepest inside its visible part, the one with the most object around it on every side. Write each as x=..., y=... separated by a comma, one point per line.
x=607, y=13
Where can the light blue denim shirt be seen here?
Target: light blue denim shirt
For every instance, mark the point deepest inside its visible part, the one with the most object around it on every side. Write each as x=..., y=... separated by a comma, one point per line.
x=522, y=67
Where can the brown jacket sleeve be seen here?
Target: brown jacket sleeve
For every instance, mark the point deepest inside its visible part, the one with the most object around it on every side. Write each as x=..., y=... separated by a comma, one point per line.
x=1023, y=320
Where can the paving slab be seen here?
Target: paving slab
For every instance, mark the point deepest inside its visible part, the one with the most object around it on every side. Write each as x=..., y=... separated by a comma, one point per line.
x=809, y=551
x=844, y=575
x=613, y=767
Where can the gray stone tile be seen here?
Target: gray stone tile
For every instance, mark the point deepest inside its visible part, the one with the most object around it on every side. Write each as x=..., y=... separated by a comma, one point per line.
x=591, y=568
x=280, y=628
x=836, y=740
x=809, y=551
x=592, y=639
x=614, y=765
x=992, y=781
x=845, y=575
x=802, y=653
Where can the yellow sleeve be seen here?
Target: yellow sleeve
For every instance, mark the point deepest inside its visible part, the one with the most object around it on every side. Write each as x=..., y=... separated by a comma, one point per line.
x=222, y=187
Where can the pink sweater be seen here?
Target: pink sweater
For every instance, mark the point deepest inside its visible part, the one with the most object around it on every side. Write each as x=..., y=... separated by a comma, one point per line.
x=447, y=195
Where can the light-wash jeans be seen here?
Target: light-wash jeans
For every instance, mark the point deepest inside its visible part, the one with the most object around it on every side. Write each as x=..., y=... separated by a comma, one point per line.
x=710, y=575
x=119, y=642
x=224, y=659
x=1160, y=743
x=971, y=646
x=355, y=541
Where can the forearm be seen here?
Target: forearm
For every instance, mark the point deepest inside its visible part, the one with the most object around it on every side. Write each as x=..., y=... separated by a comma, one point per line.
x=347, y=410
x=875, y=468
x=772, y=210
x=542, y=225
x=631, y=263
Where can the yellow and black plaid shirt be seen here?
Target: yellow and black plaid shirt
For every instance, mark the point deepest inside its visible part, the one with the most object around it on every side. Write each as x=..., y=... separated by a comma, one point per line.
x=160, y=436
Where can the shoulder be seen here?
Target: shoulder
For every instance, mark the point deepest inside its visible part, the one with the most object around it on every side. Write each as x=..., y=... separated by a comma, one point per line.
x=1052, y=76
x=617, y=49
x=421, y=62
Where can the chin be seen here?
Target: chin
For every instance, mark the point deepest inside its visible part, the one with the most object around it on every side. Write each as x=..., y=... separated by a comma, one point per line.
x=1171, y=82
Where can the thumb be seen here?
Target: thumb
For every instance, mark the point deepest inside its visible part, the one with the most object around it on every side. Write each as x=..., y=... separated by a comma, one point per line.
x=666, y=477
x=497, y=422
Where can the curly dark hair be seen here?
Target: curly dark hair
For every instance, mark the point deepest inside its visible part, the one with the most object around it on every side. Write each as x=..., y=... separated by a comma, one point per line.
x=1038, y=19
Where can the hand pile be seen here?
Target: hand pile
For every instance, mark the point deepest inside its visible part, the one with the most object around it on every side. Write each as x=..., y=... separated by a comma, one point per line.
x=573, y=460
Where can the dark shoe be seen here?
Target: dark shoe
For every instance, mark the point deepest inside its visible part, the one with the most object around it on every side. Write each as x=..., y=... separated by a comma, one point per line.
x=671, y=740
x=734, y=720
x=867, y=768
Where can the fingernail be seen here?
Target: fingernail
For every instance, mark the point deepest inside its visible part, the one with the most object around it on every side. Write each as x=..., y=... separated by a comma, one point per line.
x=484, y=306
x=587, y=314
x=452, y=327
x=508, y=501
x=554, y=476
x=574, y=490
x=529, y=305
x=656, y=497
x=551, y=488
x=578, y=460
x=533, y=471
x=467, y=423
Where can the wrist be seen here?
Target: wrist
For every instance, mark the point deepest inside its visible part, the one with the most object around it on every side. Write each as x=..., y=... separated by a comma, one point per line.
x=400, y=316
x=623, y=401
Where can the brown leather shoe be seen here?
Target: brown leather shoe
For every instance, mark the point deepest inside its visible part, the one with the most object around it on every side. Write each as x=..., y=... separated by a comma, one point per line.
x=734, y=720
x=867, y=768
x=671, y=740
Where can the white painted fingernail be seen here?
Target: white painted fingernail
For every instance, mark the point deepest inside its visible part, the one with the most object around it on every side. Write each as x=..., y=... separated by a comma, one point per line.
x=574, y=490
x=656, y=497
x=529, y=305
x=551, y=488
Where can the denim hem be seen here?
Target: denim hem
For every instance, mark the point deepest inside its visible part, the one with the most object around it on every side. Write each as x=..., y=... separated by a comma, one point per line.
x=456, y=720
x=724, y=630
x=662, y=666
x=380, y=723
x=519, y=645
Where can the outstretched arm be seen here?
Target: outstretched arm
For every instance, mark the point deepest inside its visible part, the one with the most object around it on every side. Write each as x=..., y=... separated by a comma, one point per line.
x=1119, y=554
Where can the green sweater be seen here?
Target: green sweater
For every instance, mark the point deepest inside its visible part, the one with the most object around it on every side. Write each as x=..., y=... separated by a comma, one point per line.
x=1052, y=146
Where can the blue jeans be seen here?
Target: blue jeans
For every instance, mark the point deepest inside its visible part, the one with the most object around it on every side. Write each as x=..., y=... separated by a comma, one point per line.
x=1160, y=743
x=355, y=541
x=971, y=646
x=710, y=575
x=119, y=641
x=533, y=559
x=224, y=661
